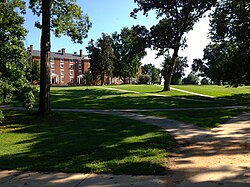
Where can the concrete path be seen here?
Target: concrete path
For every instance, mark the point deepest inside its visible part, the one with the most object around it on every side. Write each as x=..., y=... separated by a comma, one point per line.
x=220, y=157
x=193, y=93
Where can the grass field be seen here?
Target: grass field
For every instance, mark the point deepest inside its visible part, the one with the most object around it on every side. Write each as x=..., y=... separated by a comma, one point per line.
x=101, y=98
x=80, y=142
x=203, y=118
x=219, y=91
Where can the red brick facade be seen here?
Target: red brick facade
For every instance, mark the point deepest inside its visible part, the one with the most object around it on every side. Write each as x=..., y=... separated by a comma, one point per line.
x=66, y=69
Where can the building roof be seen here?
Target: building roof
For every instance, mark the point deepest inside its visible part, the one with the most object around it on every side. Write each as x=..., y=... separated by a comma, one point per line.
x=60, y=55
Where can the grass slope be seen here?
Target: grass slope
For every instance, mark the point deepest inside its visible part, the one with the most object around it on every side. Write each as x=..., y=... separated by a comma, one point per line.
x=80, y=142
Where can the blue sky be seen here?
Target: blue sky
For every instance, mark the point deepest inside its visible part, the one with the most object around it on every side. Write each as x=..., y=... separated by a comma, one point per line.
x=109, y=16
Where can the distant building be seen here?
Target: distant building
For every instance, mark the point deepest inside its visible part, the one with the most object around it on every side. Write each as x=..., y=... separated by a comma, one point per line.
x=66, y=68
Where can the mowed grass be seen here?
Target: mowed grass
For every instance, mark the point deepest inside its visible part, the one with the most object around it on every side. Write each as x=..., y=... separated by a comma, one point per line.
x=82, y=142
x=242, y=92
x=103, y=98
x=203, y=118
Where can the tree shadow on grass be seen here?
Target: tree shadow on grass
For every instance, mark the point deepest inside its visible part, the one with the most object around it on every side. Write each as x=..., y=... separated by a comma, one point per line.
x=107, y=99
x=87, y=143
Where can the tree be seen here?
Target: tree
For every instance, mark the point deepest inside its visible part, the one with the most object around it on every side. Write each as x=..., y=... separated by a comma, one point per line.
x=215, y=63
x=176, y=19
x=181, y=64
x=153, y=72
x=129, y=48
x=35, y=72
x=230, y=31
x=101, y=58
x=144, y=79
x=60, y=17
x=14, y=66
x=191, y=79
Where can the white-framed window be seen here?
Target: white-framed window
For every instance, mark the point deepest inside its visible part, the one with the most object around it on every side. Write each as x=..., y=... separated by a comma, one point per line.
x=79, y=64
x=52, y=71
x=62, y=72
x=79, y=72
x=71, y=66
x=62, y=79
x=62, y=65
x=52, y=64
x=71, y=72
x=71, y=79
x=70, y=60
x=61, y=60
x=52, y=59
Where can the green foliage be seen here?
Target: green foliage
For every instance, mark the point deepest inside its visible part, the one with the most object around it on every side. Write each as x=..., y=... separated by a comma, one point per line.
x=230, y=34
x=129, y=48
x=191, y=79
x=179, y=72
x=14, y=66
x=205, y=81
x=88, y=78
x=176, y=19
x=102, y=58
x=67, y=18
x=1, y=117
x=144, y=79
x=35, y=72
x=153, y=72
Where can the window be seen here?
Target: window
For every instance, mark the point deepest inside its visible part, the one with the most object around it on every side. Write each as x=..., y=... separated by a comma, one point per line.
x=51, y=59
x=62, y=72
x=62, y=65
x=71, y=72
x=61, y=60
x=71, y=66
x=62, y=79
x=71, y=79
x=79, y=72
x=70, y=60
x=79, y=64
x=52, y=71
x=52, y=64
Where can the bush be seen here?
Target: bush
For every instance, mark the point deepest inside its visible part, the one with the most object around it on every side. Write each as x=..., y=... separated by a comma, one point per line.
x=1, y=117
x=191, y=79
x=144, y=79
x=205, y=81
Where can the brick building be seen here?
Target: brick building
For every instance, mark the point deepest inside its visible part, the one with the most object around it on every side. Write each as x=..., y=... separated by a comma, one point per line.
x=66, y=68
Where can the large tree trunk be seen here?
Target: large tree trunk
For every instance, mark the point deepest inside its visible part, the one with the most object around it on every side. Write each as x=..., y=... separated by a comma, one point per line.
x=170, y=70
x=44, y=104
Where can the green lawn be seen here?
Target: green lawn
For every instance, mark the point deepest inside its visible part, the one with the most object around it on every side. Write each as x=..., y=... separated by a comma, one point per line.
x=203, y=118
x=219, y=91
x=82, y=142
x=101, y=98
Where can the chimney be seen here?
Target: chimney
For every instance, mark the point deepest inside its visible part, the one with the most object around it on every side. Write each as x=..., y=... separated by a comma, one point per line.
x=81, y=53
x=31, y=48
x=63, y=51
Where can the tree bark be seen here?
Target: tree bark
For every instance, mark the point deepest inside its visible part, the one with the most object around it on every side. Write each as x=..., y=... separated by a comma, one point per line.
x=170, y=70
x=44, y=102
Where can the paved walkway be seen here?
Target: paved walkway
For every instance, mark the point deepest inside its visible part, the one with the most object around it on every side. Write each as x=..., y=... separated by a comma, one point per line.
x=204, y=158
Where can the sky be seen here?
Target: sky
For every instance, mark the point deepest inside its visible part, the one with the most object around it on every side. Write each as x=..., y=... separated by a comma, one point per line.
x=108, y=16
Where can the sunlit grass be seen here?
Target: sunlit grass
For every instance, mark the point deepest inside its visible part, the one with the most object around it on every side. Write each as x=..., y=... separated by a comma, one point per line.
x=242, y=92
x=80, y=142
x=203, y=118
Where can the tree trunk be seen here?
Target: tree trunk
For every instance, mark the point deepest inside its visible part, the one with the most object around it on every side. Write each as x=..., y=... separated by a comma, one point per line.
x=170, y=70
x=44, y=104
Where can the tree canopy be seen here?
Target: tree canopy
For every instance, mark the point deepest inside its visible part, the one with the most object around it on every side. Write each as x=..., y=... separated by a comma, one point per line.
x=153, y=72
x=14, y=66
x=129, y=48
x=101, y=58
x=176, y=19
